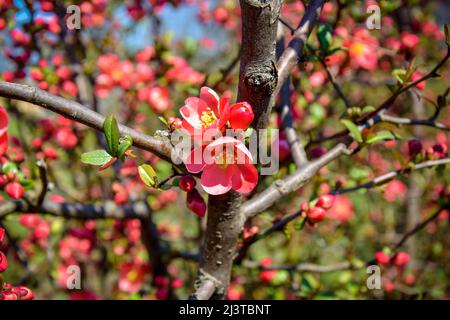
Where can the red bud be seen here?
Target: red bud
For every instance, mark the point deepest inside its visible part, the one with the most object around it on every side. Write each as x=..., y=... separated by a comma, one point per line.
x=15, y=190
x=241, y=116
x=401, y=259
x=382, y=258
x=196, y=203
x=326, y=201
x=187, y=183
x=316, y=214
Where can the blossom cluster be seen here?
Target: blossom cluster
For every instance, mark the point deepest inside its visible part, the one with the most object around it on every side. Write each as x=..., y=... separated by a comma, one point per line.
x=7, y=291
x=224, y=162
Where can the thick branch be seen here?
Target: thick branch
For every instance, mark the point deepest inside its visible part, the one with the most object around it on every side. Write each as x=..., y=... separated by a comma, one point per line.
x=258, y=74
x=75, y=111
x=294, y=52
x=291, y=183
x=104, y=210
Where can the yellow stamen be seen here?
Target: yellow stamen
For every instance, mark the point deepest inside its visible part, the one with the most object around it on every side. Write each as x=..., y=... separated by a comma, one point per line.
x=208, y=118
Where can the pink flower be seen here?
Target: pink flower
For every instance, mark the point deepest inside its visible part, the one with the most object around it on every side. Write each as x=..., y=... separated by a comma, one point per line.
x=342, y=209
x=394, y=190
x=362, y=50
x=226, y=164
x=209, y=113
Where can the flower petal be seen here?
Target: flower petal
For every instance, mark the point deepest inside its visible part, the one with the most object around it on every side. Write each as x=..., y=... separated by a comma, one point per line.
x=210, y=97
x=3, y=121
x=195, y=162
x=244, y=178
x=216, y=180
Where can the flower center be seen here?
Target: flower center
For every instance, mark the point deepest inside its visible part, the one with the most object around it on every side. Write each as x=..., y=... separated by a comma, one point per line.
x=224, y=159
x=208, y=118
x=358, y=48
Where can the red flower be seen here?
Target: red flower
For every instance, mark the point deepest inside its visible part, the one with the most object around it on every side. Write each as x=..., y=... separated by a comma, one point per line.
x=3, y=262
x=210, y=113
x=342, y=209
x=226, y=164
x=362, y=50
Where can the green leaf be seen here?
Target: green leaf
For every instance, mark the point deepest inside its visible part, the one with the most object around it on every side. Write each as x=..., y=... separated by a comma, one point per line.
x=124, y=144
x=163, y=120
x=353, y=128
x=368, y=109
x=400, y=75
x=381, y=136
x=112, y=134
x=148, y=175
x=176, y=182
x=325, y=38
x=300, y=225
x=9, y=167
x=96, y=157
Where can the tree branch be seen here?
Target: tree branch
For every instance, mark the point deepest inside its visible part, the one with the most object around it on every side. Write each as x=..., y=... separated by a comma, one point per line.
x=291, y=183
x=391, y=175
x=75, y=111
x=104, y=210
x=294, y=52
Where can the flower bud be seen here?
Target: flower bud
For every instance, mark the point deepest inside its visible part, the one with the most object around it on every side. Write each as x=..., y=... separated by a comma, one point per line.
x=382, y=258
x=15, y=190
x=325, y=201
x=316, y=214
x=401, y=259
x=414, y=147
x=196, y=203
x=241, y=116
x=187, y=183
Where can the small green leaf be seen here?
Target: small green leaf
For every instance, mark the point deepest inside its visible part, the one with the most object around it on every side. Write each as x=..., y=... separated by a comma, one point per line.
x=368, y=109
x=163, y=120
x=124, y=144
x=111, y=130
x=300, y=225
x=176, y=182
x=148, y=175
x=381, y=136
x=9, y=167
x=96, y=157
x=325, y=38
x=353, y=128
x=400, y=75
